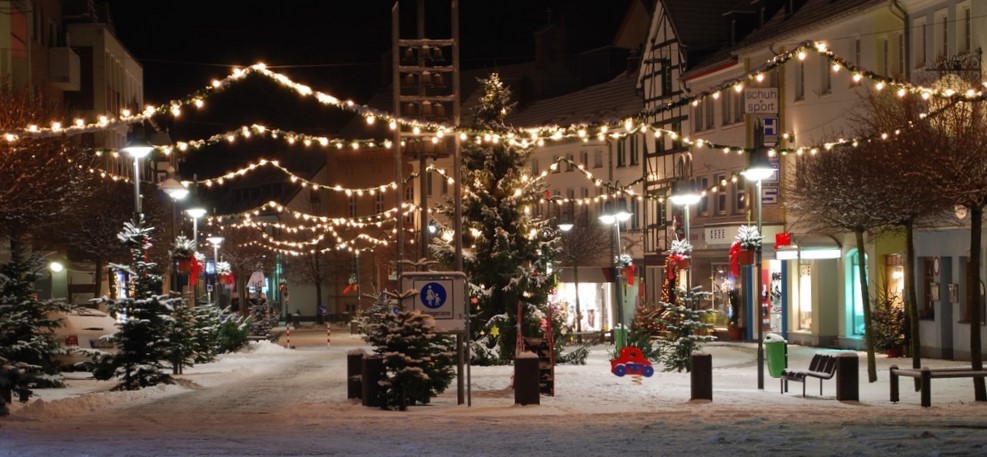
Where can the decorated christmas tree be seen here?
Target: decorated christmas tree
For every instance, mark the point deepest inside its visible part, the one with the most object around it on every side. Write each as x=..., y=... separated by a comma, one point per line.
x=418, y=362
x=510, y=247
x=142, y=338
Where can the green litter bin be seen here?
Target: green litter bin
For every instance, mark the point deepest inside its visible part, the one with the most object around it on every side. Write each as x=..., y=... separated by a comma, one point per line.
x=619, y=336
x=775, y=347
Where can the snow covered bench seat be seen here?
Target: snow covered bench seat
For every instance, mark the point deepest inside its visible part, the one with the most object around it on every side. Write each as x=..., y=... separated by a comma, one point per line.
x=822, y=366
x=926, y=374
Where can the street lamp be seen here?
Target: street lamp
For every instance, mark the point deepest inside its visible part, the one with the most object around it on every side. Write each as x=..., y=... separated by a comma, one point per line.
x=216, y=241
x=758, y=169
x=195, y=210
x=176, y=191
x=615, y=217
x=138, y=148
x=685, y=194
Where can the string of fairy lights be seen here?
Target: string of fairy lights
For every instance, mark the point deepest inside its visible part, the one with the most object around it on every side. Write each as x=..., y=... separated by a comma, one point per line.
x=523, y=137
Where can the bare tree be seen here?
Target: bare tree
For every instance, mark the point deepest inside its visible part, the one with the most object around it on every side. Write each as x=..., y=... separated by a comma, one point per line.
x=584, y=244
x=40, y=178
x=910, y=199
x=243, y=248
x=317, y=267
x=960, y=150
x=839, y=191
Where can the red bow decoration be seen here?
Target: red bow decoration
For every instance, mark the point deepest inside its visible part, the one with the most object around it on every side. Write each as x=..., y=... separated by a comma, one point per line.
x=629, y=274
x=193, y=276
x=734, y=261
x=350, y=288
x=227, y=278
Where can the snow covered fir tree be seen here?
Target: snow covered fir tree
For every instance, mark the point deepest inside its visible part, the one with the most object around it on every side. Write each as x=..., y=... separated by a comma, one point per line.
x=27, y=344
x=418, y=362
x=142, y=337
x=511, y=247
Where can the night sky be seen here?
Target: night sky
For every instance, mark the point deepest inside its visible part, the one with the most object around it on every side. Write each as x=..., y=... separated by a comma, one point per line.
x=334, y=46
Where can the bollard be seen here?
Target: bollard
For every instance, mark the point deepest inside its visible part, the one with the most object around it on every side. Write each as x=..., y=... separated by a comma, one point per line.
x=287, y=336
x=371, y=372
x=328, y=335
x=354, y=369
x=702, y=376
x=526, y=379
x=847, y=377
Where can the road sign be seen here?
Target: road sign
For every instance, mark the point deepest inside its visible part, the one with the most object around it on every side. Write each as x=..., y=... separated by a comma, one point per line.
x=770, y=131
x=440, y=294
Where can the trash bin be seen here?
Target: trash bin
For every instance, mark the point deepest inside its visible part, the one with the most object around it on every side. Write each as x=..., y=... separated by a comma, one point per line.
x=776, y=348
x=526, y=379
x=619, y=336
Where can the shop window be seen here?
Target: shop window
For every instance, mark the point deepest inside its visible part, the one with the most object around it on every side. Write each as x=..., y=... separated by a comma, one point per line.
x=804, y=311
x=854, y=298
x=972, y=281
x=930, y=296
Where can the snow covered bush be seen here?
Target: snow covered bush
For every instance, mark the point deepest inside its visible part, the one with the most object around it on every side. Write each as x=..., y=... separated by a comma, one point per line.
x=418, y=363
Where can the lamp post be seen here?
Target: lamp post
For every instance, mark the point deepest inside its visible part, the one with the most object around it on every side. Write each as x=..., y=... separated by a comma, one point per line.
x=138, y=148
x=685, y=195
x=216, y=241
x=758, y=169
x=195, y=210
x=176, y=191
x=615, y=217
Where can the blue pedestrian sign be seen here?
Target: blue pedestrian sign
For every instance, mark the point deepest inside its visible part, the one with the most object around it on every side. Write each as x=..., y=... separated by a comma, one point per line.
x=771, y=126
x=433, y=295
x=440, y=294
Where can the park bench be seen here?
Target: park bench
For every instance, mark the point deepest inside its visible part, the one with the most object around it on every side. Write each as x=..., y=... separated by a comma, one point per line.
x=926, y=374
x=822, y=366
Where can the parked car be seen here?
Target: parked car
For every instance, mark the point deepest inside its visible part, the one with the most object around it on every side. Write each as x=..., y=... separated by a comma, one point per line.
x=84, y=333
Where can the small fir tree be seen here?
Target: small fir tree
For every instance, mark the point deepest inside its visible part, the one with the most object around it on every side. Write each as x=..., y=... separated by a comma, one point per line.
x=181, y=338
x=685, y=330
x=418, y=362
x=27, y=324
x=142, y=338
x=262, y=321
x=205, y=332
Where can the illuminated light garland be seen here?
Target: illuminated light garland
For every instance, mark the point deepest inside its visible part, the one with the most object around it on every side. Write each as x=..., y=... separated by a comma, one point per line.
x=358, y=222
x=209, y=182
x=536, y=135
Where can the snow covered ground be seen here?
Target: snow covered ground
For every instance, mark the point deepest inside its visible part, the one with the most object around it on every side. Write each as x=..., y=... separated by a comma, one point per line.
x=273, y=401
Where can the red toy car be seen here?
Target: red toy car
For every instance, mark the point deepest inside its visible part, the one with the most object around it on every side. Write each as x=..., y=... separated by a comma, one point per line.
x=631, y=361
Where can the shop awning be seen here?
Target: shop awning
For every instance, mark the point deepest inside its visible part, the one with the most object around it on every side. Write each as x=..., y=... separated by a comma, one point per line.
x=810, y=247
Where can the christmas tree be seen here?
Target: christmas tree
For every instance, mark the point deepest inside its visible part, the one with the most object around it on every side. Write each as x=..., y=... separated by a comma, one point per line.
x=510, y=247
x=417, y=361
x=143, y=336
x=26, y=327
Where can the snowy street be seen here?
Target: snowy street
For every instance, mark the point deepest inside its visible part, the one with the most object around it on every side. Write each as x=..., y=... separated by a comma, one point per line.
x=275, y=401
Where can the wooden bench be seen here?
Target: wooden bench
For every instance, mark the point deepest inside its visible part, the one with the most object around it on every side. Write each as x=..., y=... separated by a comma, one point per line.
x=822, y=366
x=926, y=374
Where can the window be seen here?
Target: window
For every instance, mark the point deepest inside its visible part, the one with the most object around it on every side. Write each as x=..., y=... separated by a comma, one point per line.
x=570, y=162
x=598, y=158
x=920, y=47
x=825, y=77
x=944, y=46
x=710, y=115
x=666, y=77
x=804, y=302
x=428, y=183
x=721, y=195
x=352, y=206
x=800, y=80
x=635, y=210
x=445, y=186
x=584, y=159
x=738, y=106
x=703, y=184
x=885, y=58
x=901, y=55
x=854, y=298
x=621, y=154
x=965, y=38
x=740, y=200
x=555, y=163
x=633, y=139
x=726, y=117
x=697, y=116
x=379, y=203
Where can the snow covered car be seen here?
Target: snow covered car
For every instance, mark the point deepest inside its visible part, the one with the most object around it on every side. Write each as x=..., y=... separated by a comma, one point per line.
x=83, y=333
x=631, y=361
